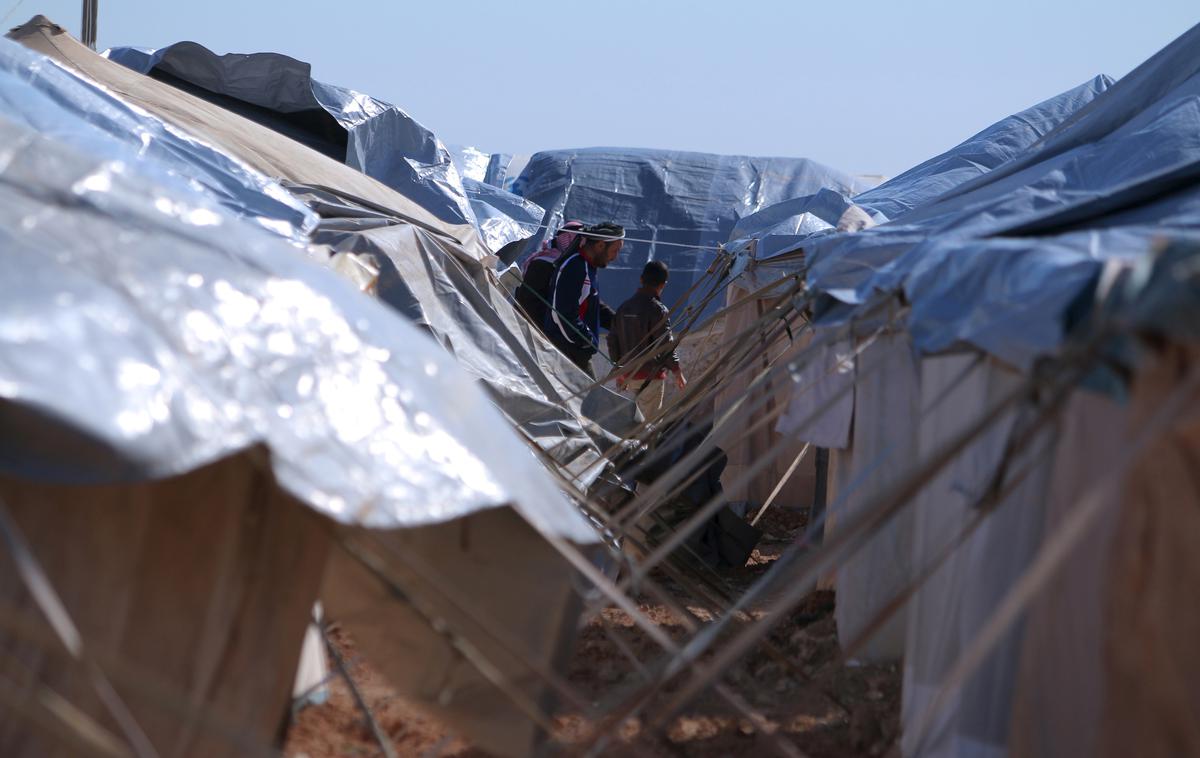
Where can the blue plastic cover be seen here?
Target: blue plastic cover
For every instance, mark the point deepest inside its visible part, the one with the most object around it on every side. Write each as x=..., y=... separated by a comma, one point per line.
x=786, y=227
x=685, y=204
x=997, y=261
x=780, y=228
x=148, y=330
x=978, y=154
x=1009, y=297
x=1157, y=79
x=427, y=272
x=375, y=137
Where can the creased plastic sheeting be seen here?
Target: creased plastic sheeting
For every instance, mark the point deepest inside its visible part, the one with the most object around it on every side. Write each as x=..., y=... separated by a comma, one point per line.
x=978, y=154
x=535, y=386
x=1152, y=153
x=52, y=101
x=253, y=143
x=1135, y=164
x=502, y=217
x=504, y=170
x=379, y=139
x=675, y=199
x=146, y=333
x=1009, y=297
x=781, y=228
x=1154, y=81
x=472, y=163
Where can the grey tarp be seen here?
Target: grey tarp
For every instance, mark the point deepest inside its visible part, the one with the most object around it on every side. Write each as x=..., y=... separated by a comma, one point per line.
x=785, y=226
x=256, y=145
x=539, y=389
x=503, y=219
x=58, y=105
x=782, y=227
x=683, y=202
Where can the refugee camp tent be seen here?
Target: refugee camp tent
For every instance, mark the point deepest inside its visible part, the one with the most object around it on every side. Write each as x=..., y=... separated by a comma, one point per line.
x=779, y=229
x=1008, y=265
x=155, y=247
x=377, y=138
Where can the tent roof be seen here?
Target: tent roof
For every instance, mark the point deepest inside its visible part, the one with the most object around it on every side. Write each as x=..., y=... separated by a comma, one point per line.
x=150, y=330
x=269, y=152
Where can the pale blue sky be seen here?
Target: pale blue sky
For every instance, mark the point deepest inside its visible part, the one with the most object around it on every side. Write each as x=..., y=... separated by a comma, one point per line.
x=868, y=87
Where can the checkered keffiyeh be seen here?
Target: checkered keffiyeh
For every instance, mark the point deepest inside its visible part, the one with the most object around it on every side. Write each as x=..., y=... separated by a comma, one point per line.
x=554, y=247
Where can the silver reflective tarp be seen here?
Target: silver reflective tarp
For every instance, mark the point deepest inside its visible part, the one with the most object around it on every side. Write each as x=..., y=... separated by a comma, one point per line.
x=437, y=275
x=378, y=138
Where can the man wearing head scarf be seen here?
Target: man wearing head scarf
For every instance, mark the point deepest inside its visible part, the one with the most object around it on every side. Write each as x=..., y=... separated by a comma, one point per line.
x=577, y=314
x=533, y=295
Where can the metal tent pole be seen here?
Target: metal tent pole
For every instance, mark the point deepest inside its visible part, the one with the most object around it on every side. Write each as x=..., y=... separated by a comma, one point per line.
x=87, y=29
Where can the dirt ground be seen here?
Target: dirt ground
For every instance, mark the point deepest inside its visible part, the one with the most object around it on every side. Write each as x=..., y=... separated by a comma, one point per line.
x=808, y=694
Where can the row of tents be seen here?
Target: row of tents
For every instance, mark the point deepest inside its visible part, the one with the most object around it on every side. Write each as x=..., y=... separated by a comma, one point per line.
x=1009, y=398
x=209, y=427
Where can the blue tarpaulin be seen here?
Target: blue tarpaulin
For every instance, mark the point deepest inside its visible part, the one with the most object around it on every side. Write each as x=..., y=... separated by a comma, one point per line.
x=791, y=225
x=979, y=154
x=683, y=204
x=995, y=239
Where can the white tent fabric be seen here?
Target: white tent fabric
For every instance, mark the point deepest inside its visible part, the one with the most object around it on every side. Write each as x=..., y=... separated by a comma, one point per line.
x=1059, y=697
x=821, y=387
x=882, y=450
x=950, y=608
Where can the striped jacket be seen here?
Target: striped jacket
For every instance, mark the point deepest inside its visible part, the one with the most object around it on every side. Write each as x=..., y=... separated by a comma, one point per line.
x=574, y=323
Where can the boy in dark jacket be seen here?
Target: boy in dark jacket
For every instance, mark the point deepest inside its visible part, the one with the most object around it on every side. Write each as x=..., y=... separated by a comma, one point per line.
x=641, y=337
x=573, y=323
